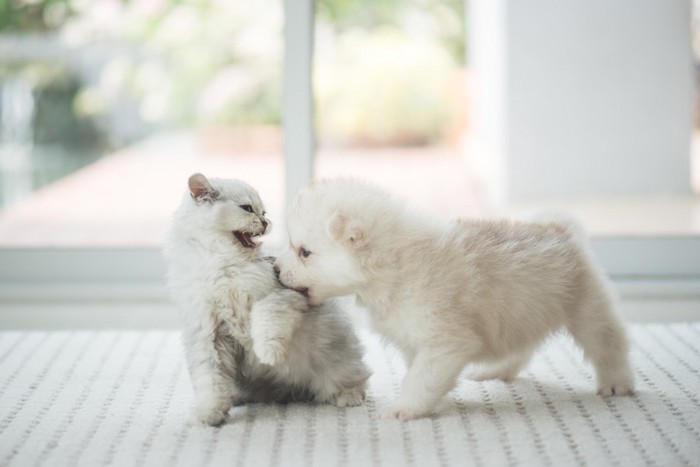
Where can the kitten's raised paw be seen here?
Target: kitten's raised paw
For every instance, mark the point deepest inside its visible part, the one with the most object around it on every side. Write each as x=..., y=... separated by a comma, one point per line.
x=270, y=352
x=349, y=397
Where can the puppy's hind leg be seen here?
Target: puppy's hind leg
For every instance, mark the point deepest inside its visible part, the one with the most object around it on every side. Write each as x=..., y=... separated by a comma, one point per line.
x=506, y=370
x=595, y=326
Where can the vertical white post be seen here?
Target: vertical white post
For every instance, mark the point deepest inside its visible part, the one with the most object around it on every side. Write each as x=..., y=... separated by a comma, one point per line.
x=488, y=59
x=297, y=104
x=583, y=97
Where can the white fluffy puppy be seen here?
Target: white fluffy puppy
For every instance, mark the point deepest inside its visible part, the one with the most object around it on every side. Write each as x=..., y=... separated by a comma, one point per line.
x=449, y=294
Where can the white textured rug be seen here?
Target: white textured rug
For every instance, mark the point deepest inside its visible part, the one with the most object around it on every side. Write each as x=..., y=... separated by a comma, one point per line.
x=120, y=398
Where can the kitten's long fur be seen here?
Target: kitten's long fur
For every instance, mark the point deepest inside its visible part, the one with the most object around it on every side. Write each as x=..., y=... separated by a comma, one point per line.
x=246, y=338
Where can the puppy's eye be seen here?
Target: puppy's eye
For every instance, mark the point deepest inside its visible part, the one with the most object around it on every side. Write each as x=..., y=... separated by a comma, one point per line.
x=246, y=207
x=304, y=253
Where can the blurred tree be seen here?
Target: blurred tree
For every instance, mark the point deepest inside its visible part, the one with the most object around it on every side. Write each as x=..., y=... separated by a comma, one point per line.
x=359, y=13
x=217, y=62
x=33, y=16
x=448, y=17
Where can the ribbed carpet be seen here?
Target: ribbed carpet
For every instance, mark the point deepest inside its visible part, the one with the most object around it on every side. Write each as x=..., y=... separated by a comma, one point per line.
x=121, y=398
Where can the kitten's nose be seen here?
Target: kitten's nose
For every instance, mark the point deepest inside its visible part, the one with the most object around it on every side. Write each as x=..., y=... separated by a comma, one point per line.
x=276, y=269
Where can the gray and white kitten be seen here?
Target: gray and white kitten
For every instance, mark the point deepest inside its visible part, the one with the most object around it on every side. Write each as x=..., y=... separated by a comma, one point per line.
x=247, y=338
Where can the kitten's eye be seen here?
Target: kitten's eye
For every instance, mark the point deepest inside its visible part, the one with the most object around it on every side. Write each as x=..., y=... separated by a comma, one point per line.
x=304, y=253
x=246, y=207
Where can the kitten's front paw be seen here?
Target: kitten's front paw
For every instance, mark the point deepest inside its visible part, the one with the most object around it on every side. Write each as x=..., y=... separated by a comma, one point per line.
x=348, y=397
x=270, y=352
x=208, y=415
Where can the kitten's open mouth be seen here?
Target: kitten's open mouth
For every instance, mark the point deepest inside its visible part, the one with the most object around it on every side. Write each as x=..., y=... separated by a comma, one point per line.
x=246, y=238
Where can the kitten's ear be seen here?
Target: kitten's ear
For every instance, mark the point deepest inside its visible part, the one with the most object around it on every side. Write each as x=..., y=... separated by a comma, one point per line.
x=201, y=189
x=343, y=228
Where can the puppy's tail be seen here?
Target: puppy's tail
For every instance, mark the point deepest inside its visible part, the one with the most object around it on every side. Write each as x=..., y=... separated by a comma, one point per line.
x=562, y=218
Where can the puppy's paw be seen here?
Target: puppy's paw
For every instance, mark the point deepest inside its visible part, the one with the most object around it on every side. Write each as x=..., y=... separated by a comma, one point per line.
x=404, y=412
x=348, y=397
x=616, y=383
x=270, y=351
x=625, y=388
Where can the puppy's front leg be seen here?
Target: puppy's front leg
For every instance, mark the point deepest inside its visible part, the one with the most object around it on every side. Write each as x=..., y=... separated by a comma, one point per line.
x=209, y=362
x=430, y=376
x=273, y=321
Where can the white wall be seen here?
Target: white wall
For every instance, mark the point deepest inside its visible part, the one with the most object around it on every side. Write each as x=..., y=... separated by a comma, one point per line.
x=582, y=97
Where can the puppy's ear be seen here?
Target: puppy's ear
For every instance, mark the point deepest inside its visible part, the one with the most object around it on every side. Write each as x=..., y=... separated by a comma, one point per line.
x=336, y=225
x=341, y=227
x=201, y=189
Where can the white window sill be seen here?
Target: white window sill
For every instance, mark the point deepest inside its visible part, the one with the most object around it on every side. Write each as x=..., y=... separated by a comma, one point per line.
x=657, y=279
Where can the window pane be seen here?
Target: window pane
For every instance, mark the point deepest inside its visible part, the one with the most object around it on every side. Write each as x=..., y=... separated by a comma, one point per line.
x=392, y=91
x=107, y=107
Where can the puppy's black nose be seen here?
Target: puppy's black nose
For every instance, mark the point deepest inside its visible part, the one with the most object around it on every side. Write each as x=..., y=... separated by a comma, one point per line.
x=276, y=269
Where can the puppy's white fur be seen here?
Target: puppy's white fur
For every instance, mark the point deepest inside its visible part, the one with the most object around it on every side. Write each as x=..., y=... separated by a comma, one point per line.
x=450, y=294
x=246, y=337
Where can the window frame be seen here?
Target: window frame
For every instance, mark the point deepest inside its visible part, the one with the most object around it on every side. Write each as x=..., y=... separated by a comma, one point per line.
x=653, y=267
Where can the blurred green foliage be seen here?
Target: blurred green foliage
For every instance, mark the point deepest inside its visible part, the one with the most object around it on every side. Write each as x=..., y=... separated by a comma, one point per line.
x=384, y=88
x=33, y=15
x=220, y=61
x=372, y=14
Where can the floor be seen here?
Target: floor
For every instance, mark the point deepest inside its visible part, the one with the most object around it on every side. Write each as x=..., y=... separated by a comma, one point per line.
x=121, y=398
